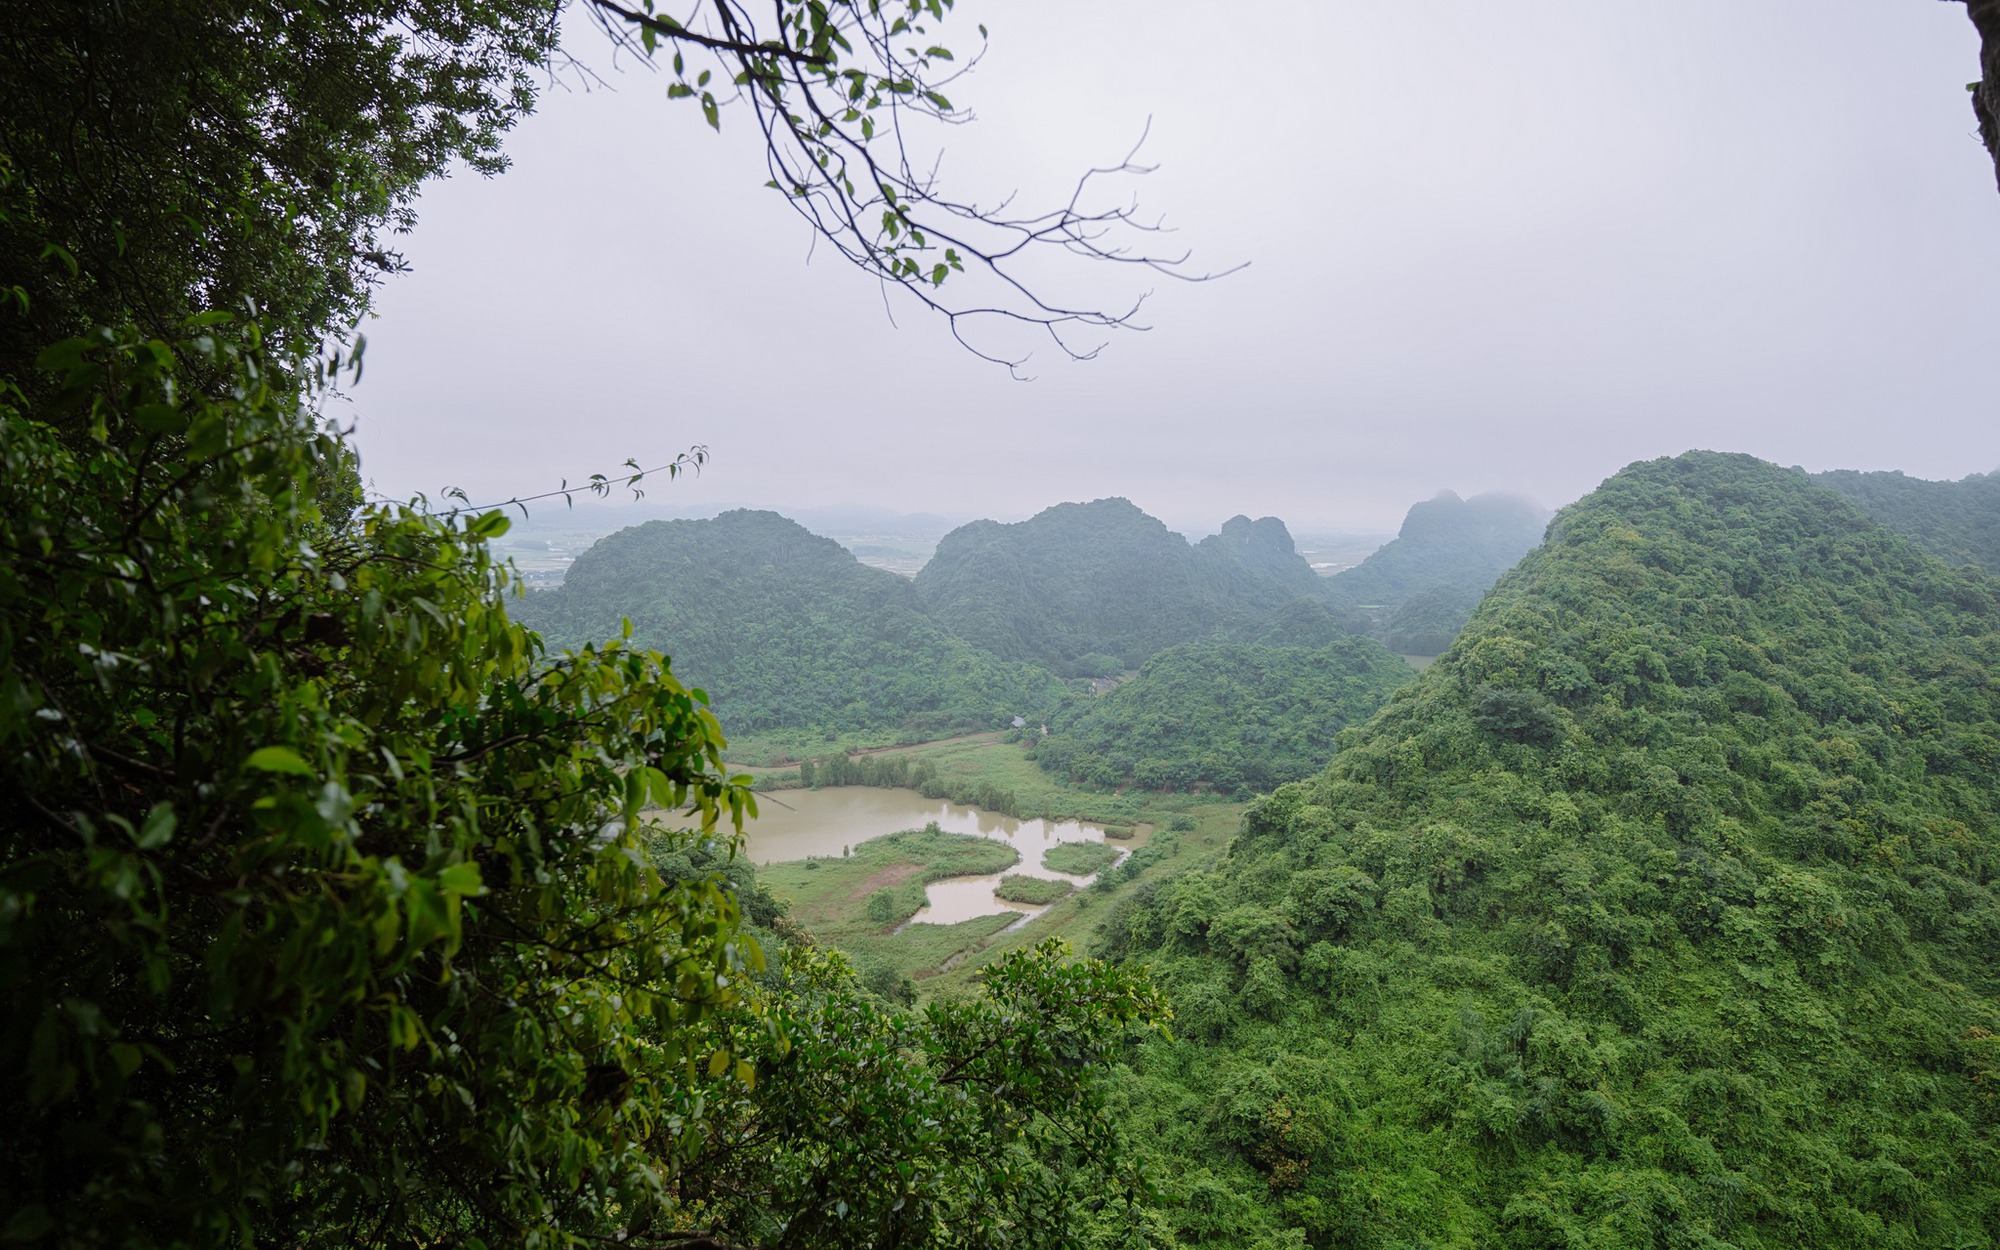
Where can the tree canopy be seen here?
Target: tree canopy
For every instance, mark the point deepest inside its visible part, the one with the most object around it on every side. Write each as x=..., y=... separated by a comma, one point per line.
x=1222, y=716
x=1958, y=522
x=1659, y=911
x=336, y=909
x=784, y=628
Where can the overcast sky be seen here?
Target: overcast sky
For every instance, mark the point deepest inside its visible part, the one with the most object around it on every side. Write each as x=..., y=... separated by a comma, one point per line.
x=1492, y=246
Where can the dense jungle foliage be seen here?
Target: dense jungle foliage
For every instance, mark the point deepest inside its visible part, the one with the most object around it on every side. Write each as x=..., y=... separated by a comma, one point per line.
x=784, y=628
x=1416, y=592
x=1426, y=622
x=1659, y=912
x=1223, y=717
x=337, y=909
x=1091, y=589
x=1958, y=522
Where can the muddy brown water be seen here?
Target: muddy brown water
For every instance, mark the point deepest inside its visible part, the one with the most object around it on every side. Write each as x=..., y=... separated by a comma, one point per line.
x=801, y=824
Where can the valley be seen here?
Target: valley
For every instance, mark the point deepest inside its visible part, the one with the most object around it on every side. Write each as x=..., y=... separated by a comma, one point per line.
x=1657, y=793
x=846, y=680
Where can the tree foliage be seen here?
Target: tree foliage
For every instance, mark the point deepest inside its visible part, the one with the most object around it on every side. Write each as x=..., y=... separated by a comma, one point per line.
x=320, y=904
x=1659, y=911
x=188, y=155
x=1223, y=717
x=1958, y=522
x=335, y=909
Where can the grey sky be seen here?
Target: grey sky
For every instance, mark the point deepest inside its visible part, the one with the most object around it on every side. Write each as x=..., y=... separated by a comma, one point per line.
x=1494, y=246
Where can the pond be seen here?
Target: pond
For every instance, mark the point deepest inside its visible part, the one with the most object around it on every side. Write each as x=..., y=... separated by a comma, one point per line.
x=799, y=824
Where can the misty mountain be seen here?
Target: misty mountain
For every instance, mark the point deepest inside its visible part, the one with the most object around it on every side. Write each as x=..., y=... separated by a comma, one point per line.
x=1418, y=589
x=783, y=628
x=1093, y=588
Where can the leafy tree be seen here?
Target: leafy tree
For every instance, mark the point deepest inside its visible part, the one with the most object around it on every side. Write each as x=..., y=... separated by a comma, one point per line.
x=329, y=909
x=976, y=1123
x=312, y=841
x=1958, y=522
x=177, y=156
x=1222, y=716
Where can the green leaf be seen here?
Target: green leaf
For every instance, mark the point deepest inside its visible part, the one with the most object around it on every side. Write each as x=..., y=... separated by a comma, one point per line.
x=278, y=760
x=462, y=879
x=28, y=1224
x=489, y=525
x=158, y=828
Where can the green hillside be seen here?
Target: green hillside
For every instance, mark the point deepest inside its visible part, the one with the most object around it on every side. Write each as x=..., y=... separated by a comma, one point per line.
x=1090, y=589
x=1659, y=912
x=1222, y=716
x=1416, y=592
x=783, y=628
x=1958, y=522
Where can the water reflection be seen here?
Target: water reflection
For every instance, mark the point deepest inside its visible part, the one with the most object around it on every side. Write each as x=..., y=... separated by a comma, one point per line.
x=798, y=824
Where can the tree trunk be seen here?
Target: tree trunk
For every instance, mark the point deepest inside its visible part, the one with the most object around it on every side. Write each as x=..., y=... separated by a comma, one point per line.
x=1986, y=92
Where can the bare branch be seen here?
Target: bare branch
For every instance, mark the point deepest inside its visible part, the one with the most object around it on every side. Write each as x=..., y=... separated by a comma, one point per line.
x=834, y=89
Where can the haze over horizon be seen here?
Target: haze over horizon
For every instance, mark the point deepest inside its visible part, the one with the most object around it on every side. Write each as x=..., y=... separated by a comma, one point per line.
x=1489, y=250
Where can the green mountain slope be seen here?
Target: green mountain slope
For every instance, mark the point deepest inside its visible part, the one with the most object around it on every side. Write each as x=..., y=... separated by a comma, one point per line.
x=1417, y=590
x=1659, y=912
x=783, y=628
x=1093, y=588
x=1958, y=522
x=1223, y=716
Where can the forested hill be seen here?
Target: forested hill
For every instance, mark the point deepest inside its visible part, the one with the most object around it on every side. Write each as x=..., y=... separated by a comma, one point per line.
x=1959, y=522
x=1092, y=588
x=1417, y=591
x=1223, y=716
x=783, y=628
x=1659, y=912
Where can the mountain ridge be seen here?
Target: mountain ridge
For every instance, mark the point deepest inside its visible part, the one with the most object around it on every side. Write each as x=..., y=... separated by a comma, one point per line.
x=1659, y=911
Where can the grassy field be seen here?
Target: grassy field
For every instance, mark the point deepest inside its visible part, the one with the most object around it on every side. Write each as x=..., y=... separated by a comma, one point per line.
x=1034, y=891
x=1079, y=859
x=832, y=899
x=780, y=749
x=856, y=902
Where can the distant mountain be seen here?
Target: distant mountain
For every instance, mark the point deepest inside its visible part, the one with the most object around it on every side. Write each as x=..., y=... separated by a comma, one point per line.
x=783, y=628
x=1449, y=552
x=1261, y=553
x=1958, y=522
x=1092, y=588
x=1661, y=911
x=1223, y=716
